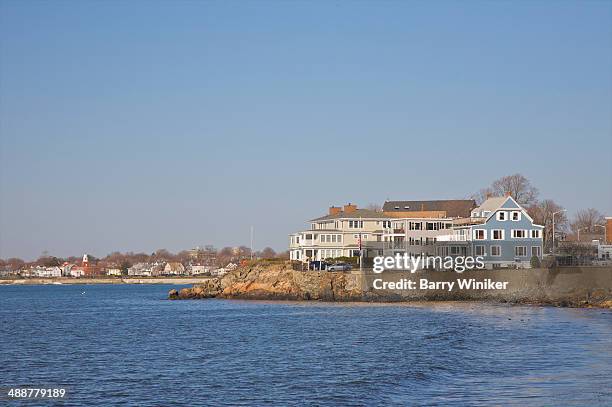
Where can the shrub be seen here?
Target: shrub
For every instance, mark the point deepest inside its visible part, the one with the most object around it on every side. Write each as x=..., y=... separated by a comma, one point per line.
x=535, y=262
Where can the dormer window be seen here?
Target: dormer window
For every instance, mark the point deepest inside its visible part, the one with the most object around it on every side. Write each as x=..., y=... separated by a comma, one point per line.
x=516, y=215
x=406, y=207
x=502, y=216
x=397, y=207
x=486, y=213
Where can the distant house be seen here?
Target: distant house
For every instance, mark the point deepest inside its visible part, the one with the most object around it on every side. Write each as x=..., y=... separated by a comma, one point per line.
x=174, y=269
x=46, y=272
x=113, y=272
x=140, y=270
x=157, y=269
x=195, y=270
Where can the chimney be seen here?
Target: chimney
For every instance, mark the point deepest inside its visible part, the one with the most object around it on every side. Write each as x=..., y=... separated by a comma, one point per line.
x=508, y=194
x=333, y=210
x=350, y=208
x=608, y=235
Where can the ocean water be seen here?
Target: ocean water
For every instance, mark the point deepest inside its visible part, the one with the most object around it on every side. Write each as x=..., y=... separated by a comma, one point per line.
x=128, y=345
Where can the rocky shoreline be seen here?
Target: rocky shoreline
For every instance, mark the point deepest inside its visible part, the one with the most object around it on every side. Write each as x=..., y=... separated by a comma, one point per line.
x=571, y=287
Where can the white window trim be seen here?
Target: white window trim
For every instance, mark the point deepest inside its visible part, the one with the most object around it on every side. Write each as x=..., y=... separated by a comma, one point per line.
x=518, y=255
x=520, y=215
x=537, y=231
x=484, y=234
x=525, y=234
x=539, y=250
x=503, y=234
x=497, y=215
x=484, y=250
x=500, y=251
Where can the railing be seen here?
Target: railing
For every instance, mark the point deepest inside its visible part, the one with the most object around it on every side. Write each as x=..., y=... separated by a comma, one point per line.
x=453, y=238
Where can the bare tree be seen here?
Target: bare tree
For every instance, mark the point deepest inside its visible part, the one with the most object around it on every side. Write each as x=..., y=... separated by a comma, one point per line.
x=268, y=253
x=14, y=263
x=586, y=219
x=517, y=185
x=283, y=255
x=481, y=195
x=542, y=214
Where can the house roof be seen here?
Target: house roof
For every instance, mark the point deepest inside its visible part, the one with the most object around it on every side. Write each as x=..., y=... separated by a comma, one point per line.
x=355, y=214
x=491, y=204
x=453, y=207
x=175, y=266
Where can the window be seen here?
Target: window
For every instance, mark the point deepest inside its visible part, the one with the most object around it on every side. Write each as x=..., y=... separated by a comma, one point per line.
x=308, y=236
x=520, y=251
x=355, y=224
x=486, y=213
x=454, y=250
x=502, y=216
x=535, y=251
x=518, y=233
x=516, y=215
x=480, y=234
x=536, y=233
x=479, y=250
x=386, y=224
x=496, y=251
x=364, y=236
x=498, y=234
x=339, y=237
x=322, y=238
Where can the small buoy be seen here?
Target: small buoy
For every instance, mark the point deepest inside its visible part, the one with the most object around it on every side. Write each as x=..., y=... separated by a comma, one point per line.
x=83, y=293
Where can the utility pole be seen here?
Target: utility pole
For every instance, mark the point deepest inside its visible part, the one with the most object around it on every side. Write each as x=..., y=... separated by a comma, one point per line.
x=360, y=246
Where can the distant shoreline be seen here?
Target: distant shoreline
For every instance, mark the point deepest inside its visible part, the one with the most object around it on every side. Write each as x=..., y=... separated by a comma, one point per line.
x=126, y=280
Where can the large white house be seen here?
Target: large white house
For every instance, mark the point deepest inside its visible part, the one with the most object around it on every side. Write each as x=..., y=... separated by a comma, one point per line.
x=401, y=226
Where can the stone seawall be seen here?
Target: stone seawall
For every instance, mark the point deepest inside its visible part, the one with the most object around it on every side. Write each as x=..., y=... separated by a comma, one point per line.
x=580, y=286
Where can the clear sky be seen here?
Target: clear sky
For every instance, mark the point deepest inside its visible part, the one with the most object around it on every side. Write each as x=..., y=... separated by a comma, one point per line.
x=139, y=125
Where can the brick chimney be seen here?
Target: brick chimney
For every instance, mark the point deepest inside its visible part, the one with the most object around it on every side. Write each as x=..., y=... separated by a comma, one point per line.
x=350, y=208
x=508, y=193
x=608, y=236
x=333, y=210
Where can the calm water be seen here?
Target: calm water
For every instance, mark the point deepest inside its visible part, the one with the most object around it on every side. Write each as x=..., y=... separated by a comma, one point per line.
x=128, y=345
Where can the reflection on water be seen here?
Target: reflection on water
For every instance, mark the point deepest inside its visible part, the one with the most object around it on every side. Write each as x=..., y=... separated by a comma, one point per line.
x=127, y=344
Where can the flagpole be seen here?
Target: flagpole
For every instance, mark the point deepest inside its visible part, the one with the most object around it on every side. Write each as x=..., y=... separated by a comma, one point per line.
x=360, y=247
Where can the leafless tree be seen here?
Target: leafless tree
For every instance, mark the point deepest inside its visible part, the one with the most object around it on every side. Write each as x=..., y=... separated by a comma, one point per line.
x=268, y=253
x=586, y=219
x=542, y=214
x=481, y=195
x=14, y=263
x=283, y=255
x=517, y=185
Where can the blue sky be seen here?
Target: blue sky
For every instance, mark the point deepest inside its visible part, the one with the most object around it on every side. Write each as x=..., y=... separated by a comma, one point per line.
x=135, y=126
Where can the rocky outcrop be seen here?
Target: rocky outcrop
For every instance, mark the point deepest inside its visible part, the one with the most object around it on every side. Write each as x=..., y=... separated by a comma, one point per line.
x=278, y=281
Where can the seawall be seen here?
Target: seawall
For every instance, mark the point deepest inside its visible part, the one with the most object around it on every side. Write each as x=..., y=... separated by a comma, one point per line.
x=576, y=286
